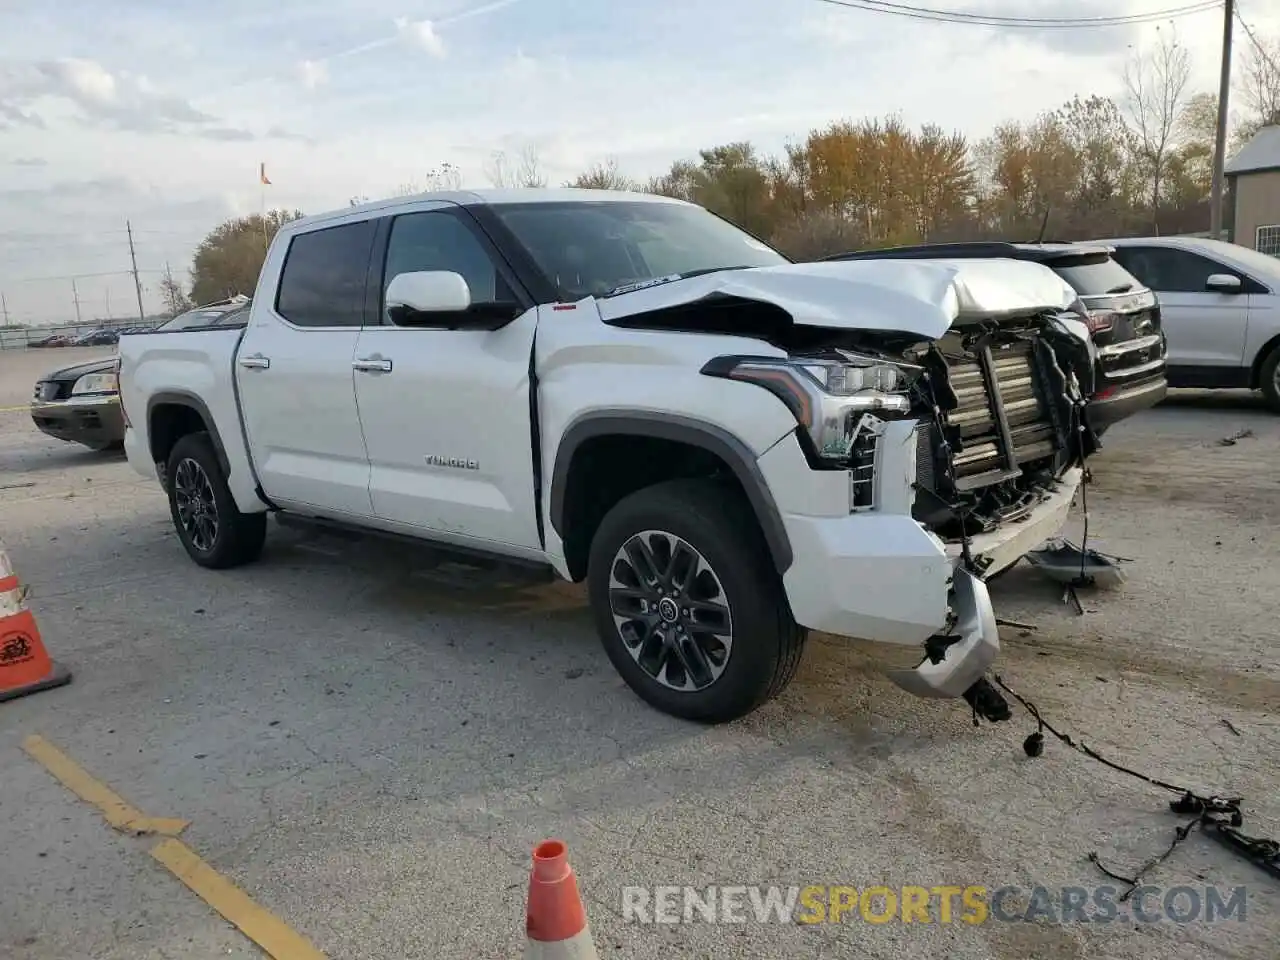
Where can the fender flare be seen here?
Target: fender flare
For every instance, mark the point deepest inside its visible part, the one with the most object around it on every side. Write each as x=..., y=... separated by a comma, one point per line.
x=663, y=426
x=181, y=398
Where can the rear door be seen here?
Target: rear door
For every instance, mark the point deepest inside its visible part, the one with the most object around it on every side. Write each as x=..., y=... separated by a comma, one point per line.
x=294, y=375
x=446, y=413
x=1205, y=329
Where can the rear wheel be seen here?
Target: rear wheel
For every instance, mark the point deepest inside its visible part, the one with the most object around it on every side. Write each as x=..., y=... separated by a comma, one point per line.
x=688, y=606
x=1269, y=377
x=211, y=527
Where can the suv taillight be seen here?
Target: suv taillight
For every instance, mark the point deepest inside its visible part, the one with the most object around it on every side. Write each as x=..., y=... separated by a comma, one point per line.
x=1100, y=321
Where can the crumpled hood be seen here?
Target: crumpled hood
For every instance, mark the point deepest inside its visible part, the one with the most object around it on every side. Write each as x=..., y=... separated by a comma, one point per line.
x=923, y=297
x=77, y=370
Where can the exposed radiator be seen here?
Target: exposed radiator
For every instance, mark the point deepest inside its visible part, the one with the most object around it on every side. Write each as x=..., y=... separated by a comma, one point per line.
x=1001, y=418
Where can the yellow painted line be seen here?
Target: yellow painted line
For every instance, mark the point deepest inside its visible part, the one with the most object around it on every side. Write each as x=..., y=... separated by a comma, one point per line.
x=117, y=811
x=279, y=940
x=25, y=406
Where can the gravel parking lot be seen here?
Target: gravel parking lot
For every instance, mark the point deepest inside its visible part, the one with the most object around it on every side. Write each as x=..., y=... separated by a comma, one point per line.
x=369, y=745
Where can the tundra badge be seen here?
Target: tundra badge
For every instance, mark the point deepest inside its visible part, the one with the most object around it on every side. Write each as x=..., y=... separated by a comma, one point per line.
x=456, y=462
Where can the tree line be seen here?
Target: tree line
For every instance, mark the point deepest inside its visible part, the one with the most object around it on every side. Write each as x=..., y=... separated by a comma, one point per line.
x=1138, y=164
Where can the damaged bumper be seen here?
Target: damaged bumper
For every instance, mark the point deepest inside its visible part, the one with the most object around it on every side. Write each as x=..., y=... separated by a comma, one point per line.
x=970, y=647
x=880, y=575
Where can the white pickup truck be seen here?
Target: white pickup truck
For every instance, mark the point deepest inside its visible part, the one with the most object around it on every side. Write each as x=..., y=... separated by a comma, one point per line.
x=729, y=448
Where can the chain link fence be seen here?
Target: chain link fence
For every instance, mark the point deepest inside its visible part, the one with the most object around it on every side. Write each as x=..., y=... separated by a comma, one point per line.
x=21, y=338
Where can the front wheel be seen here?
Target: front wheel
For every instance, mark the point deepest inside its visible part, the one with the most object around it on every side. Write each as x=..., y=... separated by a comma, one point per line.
x=689, y=608
x=1269, y=377
x=210, y=525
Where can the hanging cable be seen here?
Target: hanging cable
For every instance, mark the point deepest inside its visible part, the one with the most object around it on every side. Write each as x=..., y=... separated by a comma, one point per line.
x=1039, y=23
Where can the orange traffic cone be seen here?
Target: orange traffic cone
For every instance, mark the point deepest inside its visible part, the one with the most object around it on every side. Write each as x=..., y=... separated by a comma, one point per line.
x=555, y=922
x=25, y=666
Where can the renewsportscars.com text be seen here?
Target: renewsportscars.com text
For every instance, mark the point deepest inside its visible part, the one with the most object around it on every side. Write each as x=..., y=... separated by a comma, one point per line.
x=945, y=904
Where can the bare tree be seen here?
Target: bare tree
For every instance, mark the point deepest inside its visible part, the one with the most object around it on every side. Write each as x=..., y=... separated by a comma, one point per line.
x=1260, y=85
x=439, y=179
x=171, y=292
x=603, y=176
x=524, y=170
x=1156, y=83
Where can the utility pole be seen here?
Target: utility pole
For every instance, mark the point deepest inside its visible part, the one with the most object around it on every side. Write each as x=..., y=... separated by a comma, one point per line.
x=109, y=316
x=4, y=307
x=75, y=295
x=1220, y=140
x=137, y=284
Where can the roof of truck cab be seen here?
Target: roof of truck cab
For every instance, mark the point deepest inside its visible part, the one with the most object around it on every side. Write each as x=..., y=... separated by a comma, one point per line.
x=495, y=197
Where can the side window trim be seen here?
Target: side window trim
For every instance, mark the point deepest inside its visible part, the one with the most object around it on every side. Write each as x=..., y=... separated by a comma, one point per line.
x=284, y=267
x=382, y=250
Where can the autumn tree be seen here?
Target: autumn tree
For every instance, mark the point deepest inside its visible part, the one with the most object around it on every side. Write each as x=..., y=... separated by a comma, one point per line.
x=228, y=260
x=1155, y=82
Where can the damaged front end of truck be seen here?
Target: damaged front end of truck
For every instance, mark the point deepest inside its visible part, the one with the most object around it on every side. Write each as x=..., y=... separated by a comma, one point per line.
x=954, y=396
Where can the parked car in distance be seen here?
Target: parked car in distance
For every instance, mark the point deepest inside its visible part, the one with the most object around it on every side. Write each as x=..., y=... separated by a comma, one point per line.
x=1220, y=304
x=53, y=340
x=96, y=338
x=728, y=447
x=81, y=403
x=1123, y=316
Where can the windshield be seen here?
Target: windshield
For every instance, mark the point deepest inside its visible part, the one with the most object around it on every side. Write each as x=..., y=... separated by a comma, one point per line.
x=591, y=248
x=1095, y=277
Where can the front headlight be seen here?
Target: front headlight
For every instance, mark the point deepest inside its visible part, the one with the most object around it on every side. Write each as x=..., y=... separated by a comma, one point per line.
x=827, y=396
x=96, y=383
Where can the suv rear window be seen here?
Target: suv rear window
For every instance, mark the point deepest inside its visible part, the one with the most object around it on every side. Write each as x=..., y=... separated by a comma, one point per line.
x=1094, y=277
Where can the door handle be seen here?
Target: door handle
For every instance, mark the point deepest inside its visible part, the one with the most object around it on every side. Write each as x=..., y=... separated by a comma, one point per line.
x=256, y=361
x=372, y=365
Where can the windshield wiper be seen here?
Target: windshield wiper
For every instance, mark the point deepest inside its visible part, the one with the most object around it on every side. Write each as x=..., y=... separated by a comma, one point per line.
x=669, y=278
x=1121, y=288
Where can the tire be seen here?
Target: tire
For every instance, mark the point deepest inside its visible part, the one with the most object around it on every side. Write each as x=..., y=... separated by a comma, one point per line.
x=233, y=538
x=728, y=680
x=1269, y=379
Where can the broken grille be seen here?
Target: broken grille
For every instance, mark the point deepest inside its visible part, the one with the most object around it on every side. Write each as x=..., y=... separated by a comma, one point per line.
x=1001, y=421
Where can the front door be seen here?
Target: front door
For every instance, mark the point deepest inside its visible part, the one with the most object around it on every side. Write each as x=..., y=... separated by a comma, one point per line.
x=446, y=412
x=1204, y=328
x=294, y=375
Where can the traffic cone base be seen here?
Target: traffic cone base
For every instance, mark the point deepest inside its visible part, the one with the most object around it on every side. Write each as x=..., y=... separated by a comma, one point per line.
x=25, y=666
x=577, y=947
x=555, y=921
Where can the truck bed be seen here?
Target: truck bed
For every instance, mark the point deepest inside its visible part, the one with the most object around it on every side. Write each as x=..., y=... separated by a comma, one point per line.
x=195, y=369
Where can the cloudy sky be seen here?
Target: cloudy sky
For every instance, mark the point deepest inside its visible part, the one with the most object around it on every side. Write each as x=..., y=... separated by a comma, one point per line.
x=159, y=111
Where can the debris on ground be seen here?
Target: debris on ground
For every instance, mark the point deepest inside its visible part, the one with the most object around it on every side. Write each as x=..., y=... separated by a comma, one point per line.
x=1238, y=435
x=1063, y=561
x=1218, y=816
x=1016, y=624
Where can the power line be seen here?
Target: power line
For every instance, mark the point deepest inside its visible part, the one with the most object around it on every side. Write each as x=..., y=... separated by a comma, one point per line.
x=1035, y=23
x=83, y=276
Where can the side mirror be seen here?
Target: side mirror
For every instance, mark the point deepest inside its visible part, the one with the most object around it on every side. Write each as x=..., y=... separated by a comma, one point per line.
x=428, y=291
x=1222, y=283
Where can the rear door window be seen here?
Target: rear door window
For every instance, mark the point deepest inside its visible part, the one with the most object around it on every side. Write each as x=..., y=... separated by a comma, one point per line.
x=322, y=284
